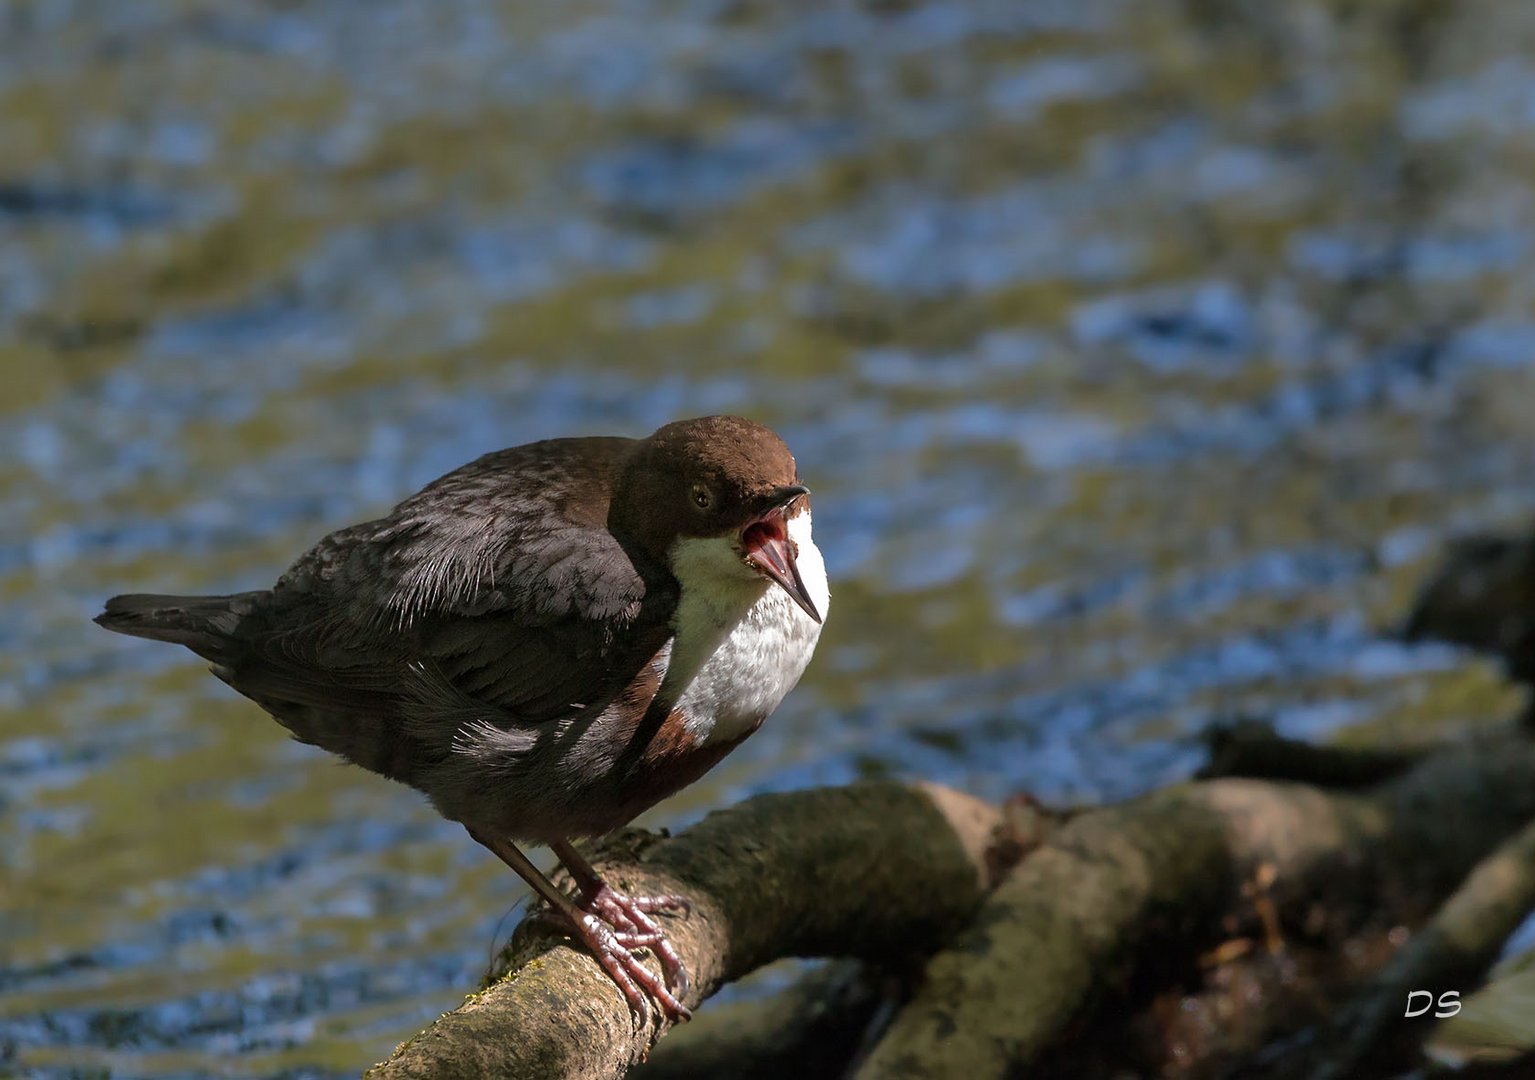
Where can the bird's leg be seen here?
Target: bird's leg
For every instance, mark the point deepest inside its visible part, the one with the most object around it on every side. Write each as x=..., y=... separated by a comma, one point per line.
x=606, y=941
x=629, y=915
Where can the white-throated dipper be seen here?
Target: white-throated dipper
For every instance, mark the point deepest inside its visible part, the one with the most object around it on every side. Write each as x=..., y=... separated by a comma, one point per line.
x=546, y=641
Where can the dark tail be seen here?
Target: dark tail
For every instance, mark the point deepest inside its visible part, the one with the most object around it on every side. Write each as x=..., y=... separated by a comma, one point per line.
x=203, y=624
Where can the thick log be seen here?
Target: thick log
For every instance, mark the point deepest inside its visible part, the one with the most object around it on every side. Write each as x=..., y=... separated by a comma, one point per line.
x=1112, y=883
x=1251, y=748
x=1453, y=952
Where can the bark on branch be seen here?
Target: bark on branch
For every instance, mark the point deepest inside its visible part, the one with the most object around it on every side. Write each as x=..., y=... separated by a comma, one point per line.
x=869, y=871
x=809, y=1031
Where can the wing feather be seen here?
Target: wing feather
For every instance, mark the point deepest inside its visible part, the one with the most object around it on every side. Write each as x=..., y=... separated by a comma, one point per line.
x=500, y=578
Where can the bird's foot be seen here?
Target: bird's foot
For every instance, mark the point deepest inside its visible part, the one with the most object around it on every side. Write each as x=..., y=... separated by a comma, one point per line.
x=611, y=947
x=609, y=923
x=633, y=927
x=612, y=925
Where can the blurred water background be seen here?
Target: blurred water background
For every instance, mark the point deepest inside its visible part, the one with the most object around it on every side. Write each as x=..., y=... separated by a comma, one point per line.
x=1142, y=357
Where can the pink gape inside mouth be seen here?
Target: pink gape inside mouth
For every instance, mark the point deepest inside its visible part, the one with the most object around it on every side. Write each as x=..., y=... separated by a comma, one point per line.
x=766, y=541
x=767, y=548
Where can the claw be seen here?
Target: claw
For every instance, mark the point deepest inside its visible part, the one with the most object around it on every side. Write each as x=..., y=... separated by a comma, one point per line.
x=630, y=918
x=611, y=926
x=609, y=923
x=611, y=948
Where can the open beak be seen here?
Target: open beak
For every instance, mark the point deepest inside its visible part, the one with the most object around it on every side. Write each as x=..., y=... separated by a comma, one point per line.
x=770, y=552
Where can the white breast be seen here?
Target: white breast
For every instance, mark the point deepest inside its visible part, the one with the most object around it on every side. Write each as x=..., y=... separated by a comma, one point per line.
x=741, y=643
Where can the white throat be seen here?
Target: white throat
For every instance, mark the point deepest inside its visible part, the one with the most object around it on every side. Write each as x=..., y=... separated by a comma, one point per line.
x=741, y=643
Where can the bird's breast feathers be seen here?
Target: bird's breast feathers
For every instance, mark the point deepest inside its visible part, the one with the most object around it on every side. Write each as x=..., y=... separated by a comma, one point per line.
x=741, y=643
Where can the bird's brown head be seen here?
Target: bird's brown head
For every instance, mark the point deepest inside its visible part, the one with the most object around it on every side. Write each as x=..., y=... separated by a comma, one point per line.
x=716, y=478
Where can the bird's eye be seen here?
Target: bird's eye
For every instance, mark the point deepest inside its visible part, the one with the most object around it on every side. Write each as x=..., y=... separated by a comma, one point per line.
x=702, y=497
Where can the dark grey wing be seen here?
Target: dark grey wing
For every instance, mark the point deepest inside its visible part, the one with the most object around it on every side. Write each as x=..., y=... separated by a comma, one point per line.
x=497, y=587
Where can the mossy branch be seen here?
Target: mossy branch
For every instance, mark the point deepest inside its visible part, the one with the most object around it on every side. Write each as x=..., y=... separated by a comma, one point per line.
x=869, y=871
